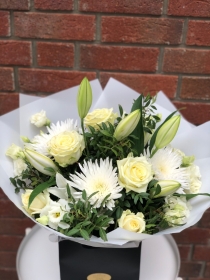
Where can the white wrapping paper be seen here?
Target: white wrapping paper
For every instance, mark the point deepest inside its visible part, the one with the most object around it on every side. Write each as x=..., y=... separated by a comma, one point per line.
x=60, y=106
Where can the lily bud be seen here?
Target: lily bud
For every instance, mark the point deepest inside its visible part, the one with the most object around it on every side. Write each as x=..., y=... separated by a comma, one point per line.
x=168, y=187
x=167, y=132
x=39, y=161
x=127, y=125
x=84, y=98
x=43, y=220
x=25, y=139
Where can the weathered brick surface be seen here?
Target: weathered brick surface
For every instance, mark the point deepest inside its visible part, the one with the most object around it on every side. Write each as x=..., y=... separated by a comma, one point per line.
x=189, y=8
x=135, y=6
x=65, y=5
x=205, y=220
x=14, y=4
x=185, y=252
x=201, y=253
x=8, y=209
x=190, y=269
x=193, y=235
x=198, y=33
x=144, y=83
x=55, y=26
x=196, y=113
x=141, y=30
x=15, y=53
x=207, y=271
x=8, y=274
x=195, y=88
x=4, y=23
x=186, y=61
x=55, y=54
x=8, y=259
x=118, y=58
x=50, y=80
x=15, y=226
x=6, y=79
x=10, y=243
x=8, y=102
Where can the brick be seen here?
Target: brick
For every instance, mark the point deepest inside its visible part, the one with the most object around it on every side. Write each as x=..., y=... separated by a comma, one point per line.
x=65, y=5
x=180, y=61
x=205, y=220
x=118, y=58
x=207, y=270
x=8, y=102
x=190, y=269
x=8, y=274
x=201, y=253
x=123, y=6
x=15, y=53
x=4, y=23
x=185, y=252
x=2, y=195
x=144, y=83
x=193, y=235
x=6, y=79
x=189, y=8
x=10, y=243
x=198, y=278
x=55, y=54
x=195, y=88
x=141, y=30
x=8, y=259
x=196, y=113
x=14, y=4
x=8, y=209
x=15, y=226
x=198, y=33
x=55, y=26
x=49, y=80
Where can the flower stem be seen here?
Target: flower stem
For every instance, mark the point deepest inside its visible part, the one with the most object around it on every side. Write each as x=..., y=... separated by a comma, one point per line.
x=155, y=150
x=85, y=140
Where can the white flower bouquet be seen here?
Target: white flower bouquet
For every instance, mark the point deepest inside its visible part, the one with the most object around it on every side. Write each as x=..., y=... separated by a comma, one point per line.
x=129, y=171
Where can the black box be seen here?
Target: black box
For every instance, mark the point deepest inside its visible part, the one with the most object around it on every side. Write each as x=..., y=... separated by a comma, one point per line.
x=78, y=261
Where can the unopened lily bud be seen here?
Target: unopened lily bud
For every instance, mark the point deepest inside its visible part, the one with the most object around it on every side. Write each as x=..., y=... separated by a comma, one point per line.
x=167, y=132
x=43, y=220
x=127, y=125
x=168, y=187
x=25, y=139
x=84, y=98
x=40, y=162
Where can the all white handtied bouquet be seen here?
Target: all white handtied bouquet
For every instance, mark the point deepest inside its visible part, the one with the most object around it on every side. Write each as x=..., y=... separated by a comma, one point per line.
x=108, y=175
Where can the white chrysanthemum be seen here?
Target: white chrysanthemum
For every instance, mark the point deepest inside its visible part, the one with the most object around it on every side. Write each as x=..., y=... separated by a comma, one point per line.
x=40, y=142
x=100, y=178
x=166, y=166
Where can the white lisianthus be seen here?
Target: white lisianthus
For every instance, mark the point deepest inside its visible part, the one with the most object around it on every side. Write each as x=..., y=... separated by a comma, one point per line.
x=99, y=116
x=132, y=222
x=14, y=152
x=38, y=204
x=177, y=210
x=40, y=119
x=66, y=147
x=19, y=166
x=195, y=179
x=55, y=212
x=134, y=173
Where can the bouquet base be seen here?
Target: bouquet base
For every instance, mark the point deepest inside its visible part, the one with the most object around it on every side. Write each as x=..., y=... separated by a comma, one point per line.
x=78, y=261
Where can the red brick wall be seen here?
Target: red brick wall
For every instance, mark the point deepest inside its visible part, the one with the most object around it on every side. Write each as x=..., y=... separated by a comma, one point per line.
x=150, y=45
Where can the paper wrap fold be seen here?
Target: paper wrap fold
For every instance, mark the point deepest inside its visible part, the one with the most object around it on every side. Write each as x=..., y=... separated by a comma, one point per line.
x=60, y=106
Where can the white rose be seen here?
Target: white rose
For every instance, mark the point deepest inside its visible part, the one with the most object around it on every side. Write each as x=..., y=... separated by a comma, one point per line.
x=14, y=151
x=66, y=147
x=195, y=179
x=98, y=116
x=177, y=210
x=132, y=222
x=134, y=173
x=19, y=166
x=40, y=119
x=39, y=202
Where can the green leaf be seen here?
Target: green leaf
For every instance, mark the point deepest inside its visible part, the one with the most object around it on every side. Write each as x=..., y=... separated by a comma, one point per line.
x=84, y=195
x=191, y=195
x=84, y=234
x=12, y=180
x=106, y=133
x=40, y=188
x=102, y=234
x=72, y=231
x=119, y=212
x=138, y=144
